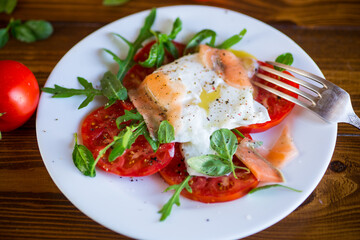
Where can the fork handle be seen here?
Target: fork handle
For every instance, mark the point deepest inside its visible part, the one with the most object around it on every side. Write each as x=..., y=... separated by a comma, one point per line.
x=353, y=119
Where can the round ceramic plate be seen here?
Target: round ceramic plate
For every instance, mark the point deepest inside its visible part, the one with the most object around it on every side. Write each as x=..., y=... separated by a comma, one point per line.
x=129, y=206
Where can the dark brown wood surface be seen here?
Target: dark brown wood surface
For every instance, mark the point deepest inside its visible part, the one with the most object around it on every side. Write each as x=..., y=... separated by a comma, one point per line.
x=32, y=207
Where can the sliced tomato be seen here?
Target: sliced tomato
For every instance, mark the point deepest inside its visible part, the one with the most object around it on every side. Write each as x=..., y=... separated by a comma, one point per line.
x=209, y=190
x=98, y=130
x=278, y=108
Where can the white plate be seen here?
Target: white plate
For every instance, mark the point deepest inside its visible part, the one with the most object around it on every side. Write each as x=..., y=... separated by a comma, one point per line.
x=129, y=206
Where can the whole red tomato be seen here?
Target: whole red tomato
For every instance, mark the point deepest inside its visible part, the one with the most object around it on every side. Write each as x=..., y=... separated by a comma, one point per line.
x=19, y=94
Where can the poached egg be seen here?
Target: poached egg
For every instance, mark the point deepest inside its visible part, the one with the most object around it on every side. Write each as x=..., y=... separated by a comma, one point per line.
x=199, y=94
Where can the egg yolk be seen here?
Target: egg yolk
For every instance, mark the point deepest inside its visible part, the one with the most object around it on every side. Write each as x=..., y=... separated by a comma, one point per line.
x=208, y=97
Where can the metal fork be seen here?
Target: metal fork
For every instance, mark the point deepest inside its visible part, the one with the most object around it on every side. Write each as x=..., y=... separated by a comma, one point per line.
x=327, y=100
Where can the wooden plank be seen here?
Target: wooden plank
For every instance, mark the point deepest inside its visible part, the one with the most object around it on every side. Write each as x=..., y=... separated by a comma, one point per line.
x=303, y=13
x=32, y=207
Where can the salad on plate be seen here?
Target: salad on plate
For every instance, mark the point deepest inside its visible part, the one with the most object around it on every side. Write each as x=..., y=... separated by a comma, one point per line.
x=184, y=111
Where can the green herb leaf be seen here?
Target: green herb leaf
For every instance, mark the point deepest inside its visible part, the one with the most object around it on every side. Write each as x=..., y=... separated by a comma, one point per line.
x=161, y=55
x=232, y=40
x=23, y=33
x=112, y=88
x=154, y=144
x=4, y=37
x=199, y=37
x=224, y=142
x=175, y=199
x=3, y=5
x=129, y=115
x=238, y=132
x=286, y=58
x=210, y=165
x=170, y=47
x=61, y=92
x=272, y=186
x=83, y=159
x=166, y=132
x=177, y=26
x=7, y=6
x=121, y=144
x=153, y=56
x=115, y=57
x=157, y=51
x=141, y=130
x=126, y=138
x=128, y=62
x=40, y=28
x=114, y=2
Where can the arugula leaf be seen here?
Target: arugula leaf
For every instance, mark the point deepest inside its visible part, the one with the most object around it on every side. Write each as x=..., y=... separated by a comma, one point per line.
x=112, y=89
x=126, y=138
x=61, y=92
x=121, y=144
x=177, y=26
x=114, y=2
x=154, y=54
x=224, y=142
x=128, y=115
x=199, y=37
x=83, y=159
x=272, y=186
x=136, y=116
x=210, y=165
x=171, y=48
x=157, y=52
x=175, y=199
x=285, y=58
x=238, y=132
x=154, y=144
x=232, y=40
x=166, y=132
x=128, y=62
x=7, y=6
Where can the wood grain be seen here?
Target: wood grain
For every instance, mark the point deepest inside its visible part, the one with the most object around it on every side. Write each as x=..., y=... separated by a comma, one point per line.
x=32, y=207
x=307, y=12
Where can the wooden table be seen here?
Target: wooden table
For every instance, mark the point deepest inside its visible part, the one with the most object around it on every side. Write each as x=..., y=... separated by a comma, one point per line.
x=32, y=207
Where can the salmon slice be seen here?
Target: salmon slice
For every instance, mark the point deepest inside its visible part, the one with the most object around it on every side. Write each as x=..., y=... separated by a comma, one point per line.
x=262, y=169
x=283, y=150
x=158, y=98
x=225, y=64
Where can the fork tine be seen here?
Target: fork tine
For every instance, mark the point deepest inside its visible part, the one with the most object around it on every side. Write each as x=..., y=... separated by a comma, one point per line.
x=286, y=86
x=300, y=72
x=303, y=83
x=281, y=94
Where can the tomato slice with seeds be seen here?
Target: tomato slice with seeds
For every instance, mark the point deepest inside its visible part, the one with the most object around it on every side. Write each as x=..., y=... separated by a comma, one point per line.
x=209, y=190
x=278, y=108
x=98, y=130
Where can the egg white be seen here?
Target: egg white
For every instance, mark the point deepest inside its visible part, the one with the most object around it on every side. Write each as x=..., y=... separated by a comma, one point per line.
x=232, y=108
